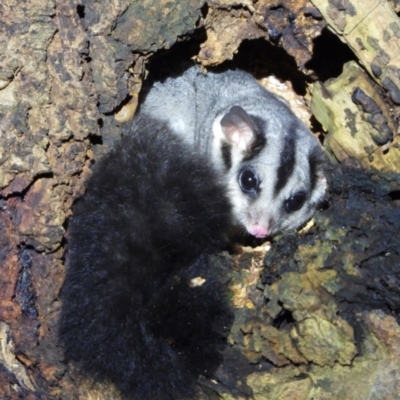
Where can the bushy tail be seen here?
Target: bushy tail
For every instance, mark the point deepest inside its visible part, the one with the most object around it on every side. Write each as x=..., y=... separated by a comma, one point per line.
x=152, y=214
x=157, y=347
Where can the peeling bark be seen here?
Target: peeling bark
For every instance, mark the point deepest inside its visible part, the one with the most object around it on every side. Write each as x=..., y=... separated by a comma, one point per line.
x=317, y=314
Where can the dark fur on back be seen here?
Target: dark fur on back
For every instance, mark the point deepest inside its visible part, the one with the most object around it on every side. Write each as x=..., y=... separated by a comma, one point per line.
x=151, y=215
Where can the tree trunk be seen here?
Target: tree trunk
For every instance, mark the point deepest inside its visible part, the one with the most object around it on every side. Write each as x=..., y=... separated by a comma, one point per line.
x=316, y=316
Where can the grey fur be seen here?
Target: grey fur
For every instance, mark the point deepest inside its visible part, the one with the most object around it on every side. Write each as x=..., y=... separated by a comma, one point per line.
x=231, y=112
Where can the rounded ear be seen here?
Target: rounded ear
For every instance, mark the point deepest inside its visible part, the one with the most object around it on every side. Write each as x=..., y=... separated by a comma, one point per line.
x=238, y=129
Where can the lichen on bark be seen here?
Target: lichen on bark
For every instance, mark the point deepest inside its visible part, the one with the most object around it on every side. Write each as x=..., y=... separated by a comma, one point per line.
x=316, y=315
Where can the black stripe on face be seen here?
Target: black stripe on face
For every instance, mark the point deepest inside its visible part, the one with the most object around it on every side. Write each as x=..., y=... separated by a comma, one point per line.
x=288, y=160
x=226, y=155
x=316, y=160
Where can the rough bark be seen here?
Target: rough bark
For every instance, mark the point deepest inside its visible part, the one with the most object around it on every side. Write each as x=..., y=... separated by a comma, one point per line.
x=317, y=314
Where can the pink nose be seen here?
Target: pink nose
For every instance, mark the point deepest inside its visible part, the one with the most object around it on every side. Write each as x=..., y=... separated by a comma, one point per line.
x=258, y=231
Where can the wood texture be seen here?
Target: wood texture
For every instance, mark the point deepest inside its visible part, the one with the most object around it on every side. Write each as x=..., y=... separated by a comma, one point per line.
x=317, y=314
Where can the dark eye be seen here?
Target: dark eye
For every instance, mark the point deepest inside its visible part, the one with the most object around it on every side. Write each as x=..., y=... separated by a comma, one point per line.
x=295, y=202
x=248, y=181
